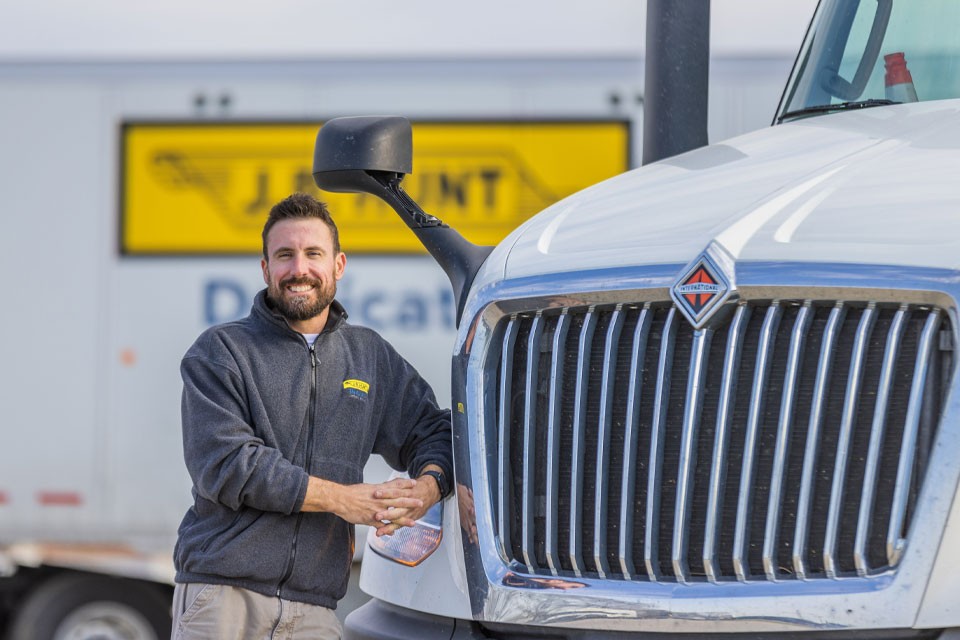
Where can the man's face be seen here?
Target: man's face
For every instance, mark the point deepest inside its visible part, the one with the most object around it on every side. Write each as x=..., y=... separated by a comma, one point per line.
x=301, y=269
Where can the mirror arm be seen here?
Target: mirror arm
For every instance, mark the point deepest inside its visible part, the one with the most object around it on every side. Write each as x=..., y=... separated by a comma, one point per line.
x=404, y=205
x=459, y=258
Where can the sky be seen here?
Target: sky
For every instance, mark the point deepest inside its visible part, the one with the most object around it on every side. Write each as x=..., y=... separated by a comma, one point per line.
x=283, y=29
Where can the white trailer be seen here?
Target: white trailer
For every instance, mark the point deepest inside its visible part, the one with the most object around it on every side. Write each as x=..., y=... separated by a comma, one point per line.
x=92, y=484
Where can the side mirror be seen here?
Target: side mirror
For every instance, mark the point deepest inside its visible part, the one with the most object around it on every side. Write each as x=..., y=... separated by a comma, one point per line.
x=372, y=154
x=347, y=148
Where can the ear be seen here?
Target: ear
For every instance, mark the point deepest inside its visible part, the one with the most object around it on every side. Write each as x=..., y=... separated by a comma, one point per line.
x=266, y=273
x=340, y=263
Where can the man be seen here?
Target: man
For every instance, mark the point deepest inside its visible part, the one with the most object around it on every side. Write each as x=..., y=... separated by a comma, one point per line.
x=280, y=412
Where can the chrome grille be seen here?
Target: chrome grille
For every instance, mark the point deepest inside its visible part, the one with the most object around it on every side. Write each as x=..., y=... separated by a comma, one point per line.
x=788, y=440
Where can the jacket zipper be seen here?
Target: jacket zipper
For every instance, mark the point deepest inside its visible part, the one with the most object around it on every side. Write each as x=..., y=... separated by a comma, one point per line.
x=313, y=411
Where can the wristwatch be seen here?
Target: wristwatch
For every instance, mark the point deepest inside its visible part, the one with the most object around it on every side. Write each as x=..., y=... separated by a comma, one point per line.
x=441, y=479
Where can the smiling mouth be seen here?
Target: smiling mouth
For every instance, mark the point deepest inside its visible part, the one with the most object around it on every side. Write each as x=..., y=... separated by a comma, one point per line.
x=300, y=288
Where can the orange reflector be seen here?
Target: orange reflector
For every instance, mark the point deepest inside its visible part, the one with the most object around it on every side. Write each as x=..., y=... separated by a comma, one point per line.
x=412, y=545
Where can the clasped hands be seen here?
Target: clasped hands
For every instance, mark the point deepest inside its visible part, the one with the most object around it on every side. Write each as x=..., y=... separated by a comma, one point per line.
x=388, y=506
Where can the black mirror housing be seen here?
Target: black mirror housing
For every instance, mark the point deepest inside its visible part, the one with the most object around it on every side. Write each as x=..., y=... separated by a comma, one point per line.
x=347, y=148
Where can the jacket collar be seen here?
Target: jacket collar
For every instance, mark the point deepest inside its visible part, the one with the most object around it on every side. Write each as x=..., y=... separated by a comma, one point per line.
x=263, y=309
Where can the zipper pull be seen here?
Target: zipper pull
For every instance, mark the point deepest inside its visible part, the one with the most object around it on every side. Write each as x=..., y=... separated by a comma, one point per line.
x=313, y=357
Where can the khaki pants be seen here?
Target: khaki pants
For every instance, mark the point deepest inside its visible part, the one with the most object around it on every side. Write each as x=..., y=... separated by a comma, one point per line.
x=218, y=612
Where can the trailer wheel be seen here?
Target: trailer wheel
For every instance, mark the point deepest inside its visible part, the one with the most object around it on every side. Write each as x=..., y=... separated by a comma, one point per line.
x=79, y=607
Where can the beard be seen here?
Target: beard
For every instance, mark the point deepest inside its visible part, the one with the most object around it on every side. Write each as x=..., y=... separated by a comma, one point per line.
x=298, y=308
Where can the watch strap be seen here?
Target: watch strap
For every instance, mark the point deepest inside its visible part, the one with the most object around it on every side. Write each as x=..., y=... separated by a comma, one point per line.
x=441, y=479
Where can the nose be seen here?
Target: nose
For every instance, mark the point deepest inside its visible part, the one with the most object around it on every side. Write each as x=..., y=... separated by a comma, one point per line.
x=300, y=265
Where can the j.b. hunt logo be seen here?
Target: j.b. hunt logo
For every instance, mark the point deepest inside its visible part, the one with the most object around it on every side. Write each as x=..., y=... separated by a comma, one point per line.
x=700, y=290
x=357, y=388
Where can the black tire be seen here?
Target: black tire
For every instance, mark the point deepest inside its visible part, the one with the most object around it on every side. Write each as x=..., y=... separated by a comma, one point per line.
x=83, y=607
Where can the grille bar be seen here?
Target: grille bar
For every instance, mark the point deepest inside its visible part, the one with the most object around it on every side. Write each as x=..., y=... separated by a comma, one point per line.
x=757, y=397
x=718, y=470
x=651, y=542
x=552, y=489
x=578, y=468
x=843, y=447
x=503, y=444
x=603, y=439
x=691, y=420
x=529, y=428
x=786, y=441
x=805, y=502
x=876, y=441
x=771, y=531
x=895, y=537
x=631, y=437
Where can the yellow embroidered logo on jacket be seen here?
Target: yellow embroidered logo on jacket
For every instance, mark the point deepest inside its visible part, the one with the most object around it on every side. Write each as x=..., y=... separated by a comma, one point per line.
x=357, y=388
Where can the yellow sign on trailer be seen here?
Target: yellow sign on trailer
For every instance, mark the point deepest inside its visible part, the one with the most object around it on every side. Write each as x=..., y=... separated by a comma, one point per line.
x=205, y=188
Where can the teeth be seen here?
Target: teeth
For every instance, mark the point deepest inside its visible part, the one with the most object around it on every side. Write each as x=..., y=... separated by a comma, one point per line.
x=301, y=288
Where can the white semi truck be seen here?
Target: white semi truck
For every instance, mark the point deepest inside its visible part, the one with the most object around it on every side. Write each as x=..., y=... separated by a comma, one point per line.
x=716, y=395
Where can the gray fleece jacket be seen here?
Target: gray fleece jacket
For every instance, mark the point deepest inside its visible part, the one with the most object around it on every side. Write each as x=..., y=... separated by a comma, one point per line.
x=261, y=412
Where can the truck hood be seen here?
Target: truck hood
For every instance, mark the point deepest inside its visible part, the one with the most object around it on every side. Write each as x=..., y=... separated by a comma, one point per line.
x=877, y=186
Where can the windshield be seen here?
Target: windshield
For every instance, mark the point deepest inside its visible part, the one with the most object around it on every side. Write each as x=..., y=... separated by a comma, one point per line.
x=864, y=53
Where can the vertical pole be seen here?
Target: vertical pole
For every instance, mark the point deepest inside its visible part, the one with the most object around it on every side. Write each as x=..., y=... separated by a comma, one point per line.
x=677, y=73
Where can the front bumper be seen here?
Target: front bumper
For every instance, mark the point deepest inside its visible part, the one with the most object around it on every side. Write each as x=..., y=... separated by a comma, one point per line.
x=378, y=620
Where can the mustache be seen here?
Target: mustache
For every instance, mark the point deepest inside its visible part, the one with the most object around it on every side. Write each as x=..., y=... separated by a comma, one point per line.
x=286, y=282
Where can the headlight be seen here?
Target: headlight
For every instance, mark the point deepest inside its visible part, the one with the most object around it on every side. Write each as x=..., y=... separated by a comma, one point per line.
x=411, y=545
